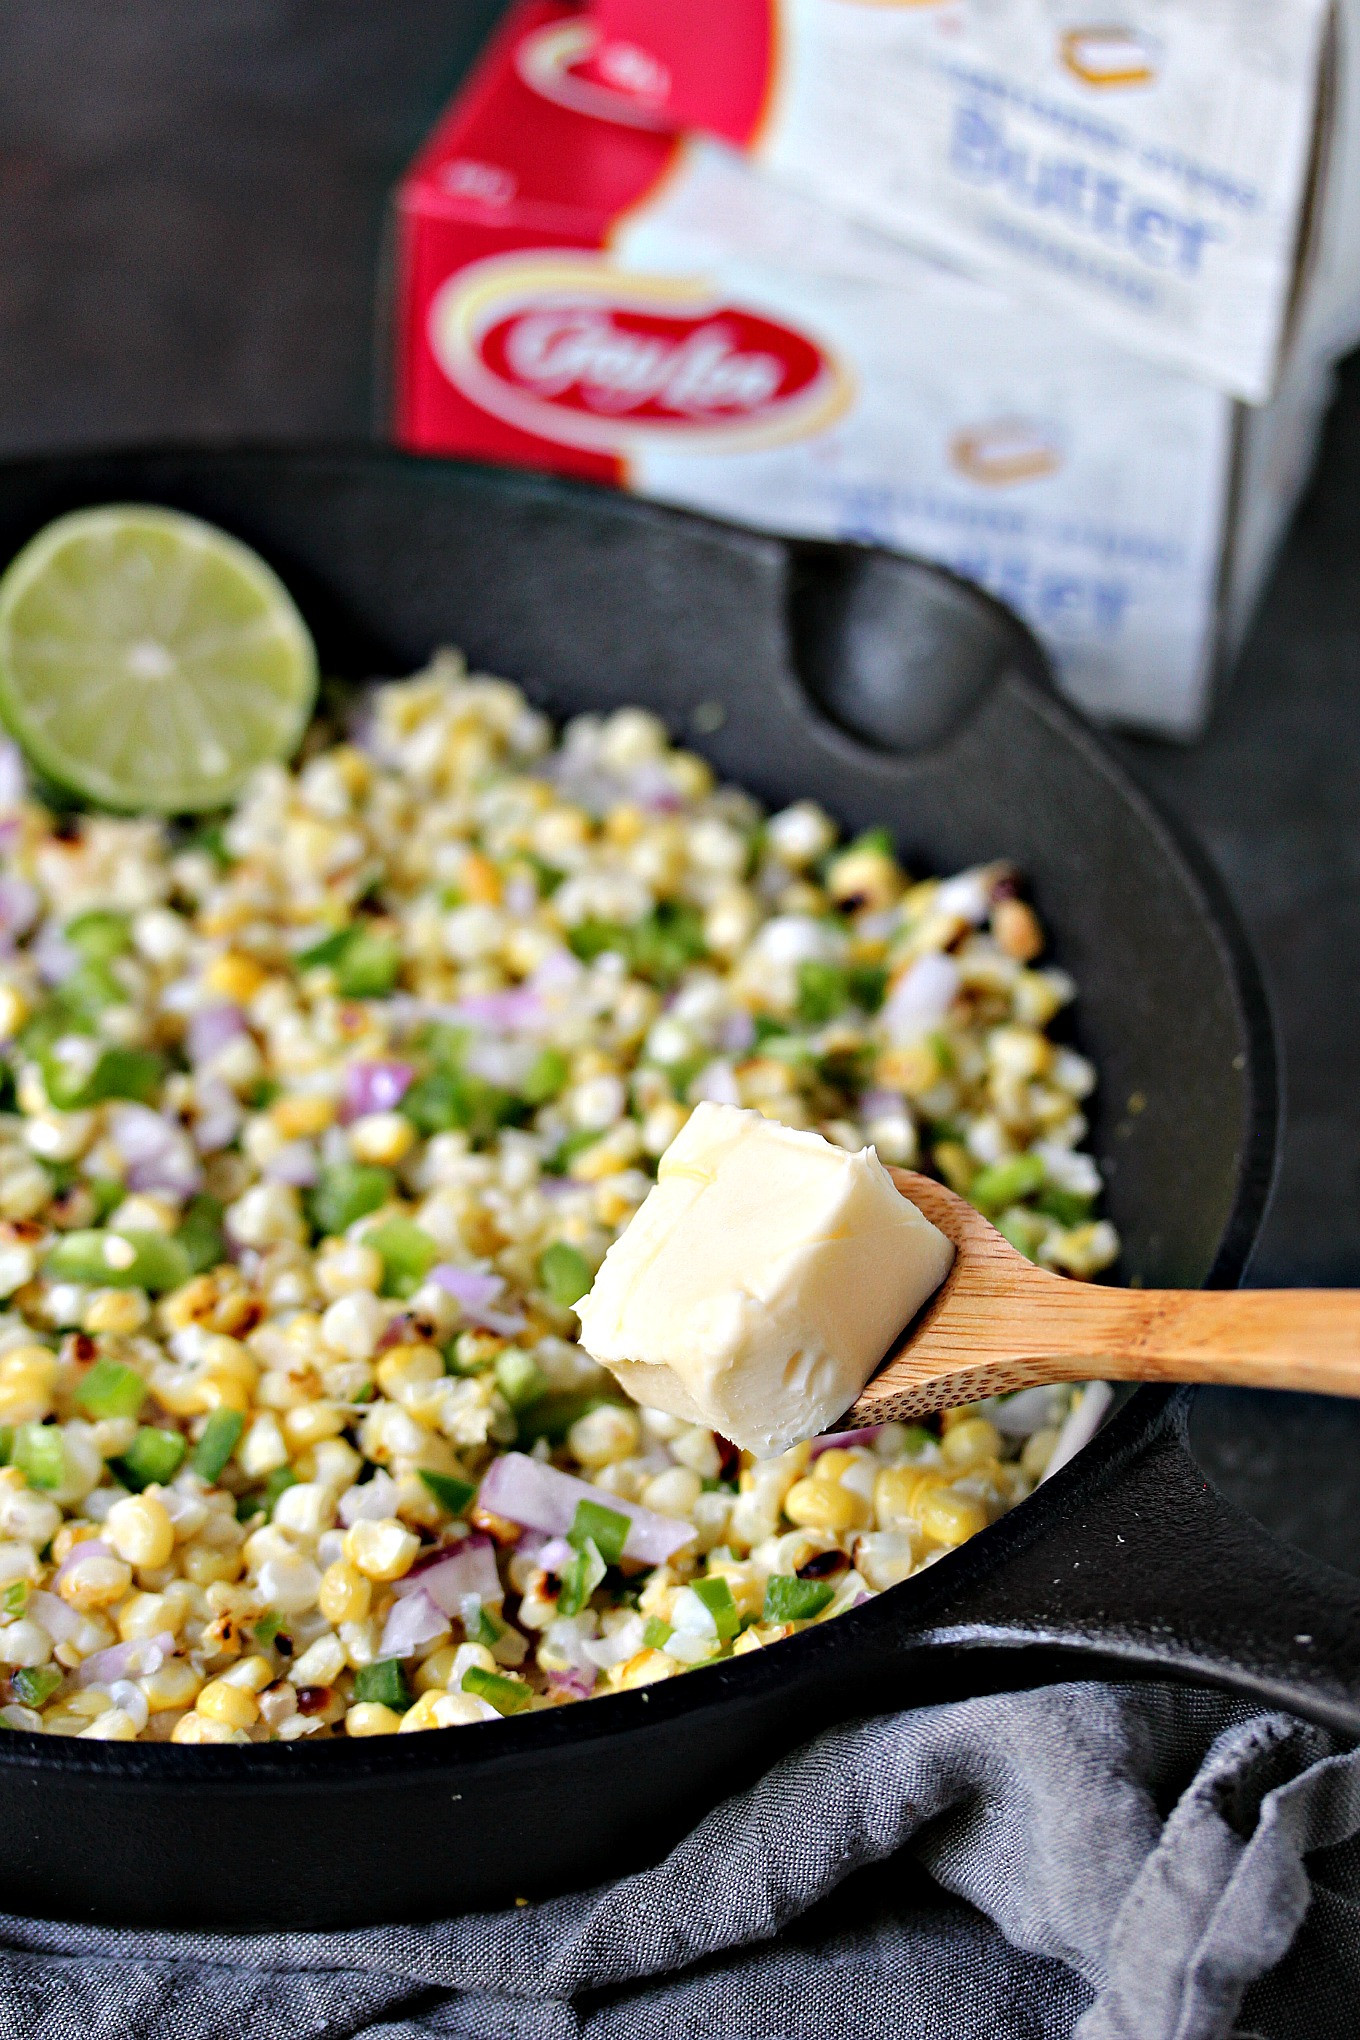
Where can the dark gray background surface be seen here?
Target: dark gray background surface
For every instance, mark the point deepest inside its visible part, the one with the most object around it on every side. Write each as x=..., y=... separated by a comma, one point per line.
x=191, y=207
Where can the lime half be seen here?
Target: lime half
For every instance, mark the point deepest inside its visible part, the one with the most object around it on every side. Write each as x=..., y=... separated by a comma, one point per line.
x=148, y=661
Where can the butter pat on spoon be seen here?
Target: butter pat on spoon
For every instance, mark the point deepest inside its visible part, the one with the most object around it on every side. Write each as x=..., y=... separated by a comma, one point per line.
x=765, y=1276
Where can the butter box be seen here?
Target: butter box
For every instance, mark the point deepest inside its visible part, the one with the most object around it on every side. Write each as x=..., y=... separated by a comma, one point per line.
x=1155, y=169
x=575, y=290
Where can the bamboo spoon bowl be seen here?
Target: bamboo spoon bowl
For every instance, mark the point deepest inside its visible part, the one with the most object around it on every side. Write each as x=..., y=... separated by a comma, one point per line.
x=998, y=1323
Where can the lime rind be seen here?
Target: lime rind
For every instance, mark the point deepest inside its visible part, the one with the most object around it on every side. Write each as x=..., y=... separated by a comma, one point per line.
x=149, y=661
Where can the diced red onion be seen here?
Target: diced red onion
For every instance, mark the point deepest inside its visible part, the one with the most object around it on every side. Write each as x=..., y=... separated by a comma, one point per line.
x=475, y=1291
x=877, y=1104
x=576, y=1684
x=145, y=1654
x=55, y=957
x=652, y=788
x=375, y=1087
x=969, y=895
x=93, y=1547
x=13, y=775
x=19, y=904
x=411, y=1622
x=218, y=1118
x=213, y=1028
x=864, y=1436
x=543, y=1498
x=737, y=1033
x=469, y=1569
x=60, y=1621
x=296, y=1163
x=921, y=997
x=158, y=1153
x=616, y=1648
x=521, y=897
x=559, y=970
x=520, y=1008
x=503, y=1063
x=555, y=1555
x=717, y=1083
x=369, y=1502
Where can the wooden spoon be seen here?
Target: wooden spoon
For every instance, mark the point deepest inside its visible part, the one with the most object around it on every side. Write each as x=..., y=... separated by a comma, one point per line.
x=999, y=1323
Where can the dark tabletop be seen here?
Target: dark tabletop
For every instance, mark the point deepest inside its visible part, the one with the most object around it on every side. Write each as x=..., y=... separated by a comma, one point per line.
x=191, y=206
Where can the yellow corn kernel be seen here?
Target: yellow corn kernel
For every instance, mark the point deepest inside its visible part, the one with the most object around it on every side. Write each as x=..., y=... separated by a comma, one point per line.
x=383, y=1137
x=370, y=1717
x=644, y=1669
x=144, y=1615
x=140, y=1530
x=27, y=1374
x=479, y=880
x=822, y=1505
x=303, y=1114
x=176, y=1684
x=422, y=1715
x=832, y=1463
x=13, y=1011
x=1038, y=1451
x=311, y=1423
x=94, y=1583
x=251, y=1674
x=205, y=1564
x=345, y=1595
x=230, y=1705
x=69, y=1536
x=403, y=1367
x=116, y=1310
x=959, y=1414
x=1017, y=930
x=234, y=976
x=864, y=878
x=898, y=1490
x=185, y=1306
x=947, y=1517
x=197, y=1728
x=972, y=1442
x=382, y=1549
x=434, y=1675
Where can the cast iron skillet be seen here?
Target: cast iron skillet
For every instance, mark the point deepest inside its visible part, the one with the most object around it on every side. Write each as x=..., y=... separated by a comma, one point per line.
x=896, y=695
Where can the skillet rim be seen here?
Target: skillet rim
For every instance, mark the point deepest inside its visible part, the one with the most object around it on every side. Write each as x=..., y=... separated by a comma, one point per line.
x=316, y=1766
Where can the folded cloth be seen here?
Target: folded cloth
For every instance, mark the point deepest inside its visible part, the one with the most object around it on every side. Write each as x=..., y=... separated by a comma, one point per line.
x=1105, y=1862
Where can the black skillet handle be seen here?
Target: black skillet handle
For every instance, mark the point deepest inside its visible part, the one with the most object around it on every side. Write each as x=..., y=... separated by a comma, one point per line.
x=898, y=653
x=1135, y=1559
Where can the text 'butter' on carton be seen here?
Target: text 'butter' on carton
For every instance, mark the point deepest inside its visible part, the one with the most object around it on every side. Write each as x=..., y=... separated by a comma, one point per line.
x=1156, y=170
x=590, y=295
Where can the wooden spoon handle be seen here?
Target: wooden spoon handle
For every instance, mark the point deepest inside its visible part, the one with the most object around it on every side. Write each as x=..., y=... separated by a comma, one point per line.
x=1306, y=1339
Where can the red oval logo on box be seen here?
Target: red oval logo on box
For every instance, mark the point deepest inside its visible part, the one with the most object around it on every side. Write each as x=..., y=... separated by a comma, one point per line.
x=576, y=351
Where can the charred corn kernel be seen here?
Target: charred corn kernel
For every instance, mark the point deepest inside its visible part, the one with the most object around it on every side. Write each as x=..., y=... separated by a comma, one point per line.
x=864, y=878
x=140, y=1530
x=345, y=1594
x=232, y=1706
x=89, y=1583
x=27, y=1377
x=822, y=1505
x=435, y=1673
x=404, y=1367
x=302, y=1115
x=1017, y=930
x=644, y=1669
x=197, y=1728
x=234, y=976
x=252, y=1674
x=205, y=1564
x=382, y=1549
x=972, y=1442
x=370, y=1717
x=947, y=1517
x=175, y=1684
x=310, y=1424
x=1038, y=1450
x=116, y=1310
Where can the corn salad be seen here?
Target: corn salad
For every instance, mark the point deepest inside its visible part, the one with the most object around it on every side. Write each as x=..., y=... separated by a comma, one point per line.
x=316, y=1124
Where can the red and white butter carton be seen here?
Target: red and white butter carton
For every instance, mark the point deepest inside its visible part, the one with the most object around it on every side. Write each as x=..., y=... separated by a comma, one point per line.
x=580, y=292
x=1154, y=168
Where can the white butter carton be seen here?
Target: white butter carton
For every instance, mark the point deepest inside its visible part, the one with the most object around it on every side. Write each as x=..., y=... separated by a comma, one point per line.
x=1151, y=168
x=578, y=292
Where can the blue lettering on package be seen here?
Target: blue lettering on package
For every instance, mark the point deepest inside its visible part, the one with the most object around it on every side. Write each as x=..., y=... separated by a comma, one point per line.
x=1076, y=194
x=1057, y=601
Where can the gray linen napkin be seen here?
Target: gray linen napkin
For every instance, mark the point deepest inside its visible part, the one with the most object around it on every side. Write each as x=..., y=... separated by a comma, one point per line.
x=1079, y=1862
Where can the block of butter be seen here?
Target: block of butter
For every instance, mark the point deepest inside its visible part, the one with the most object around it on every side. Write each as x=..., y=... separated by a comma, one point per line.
x=761, y=1281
